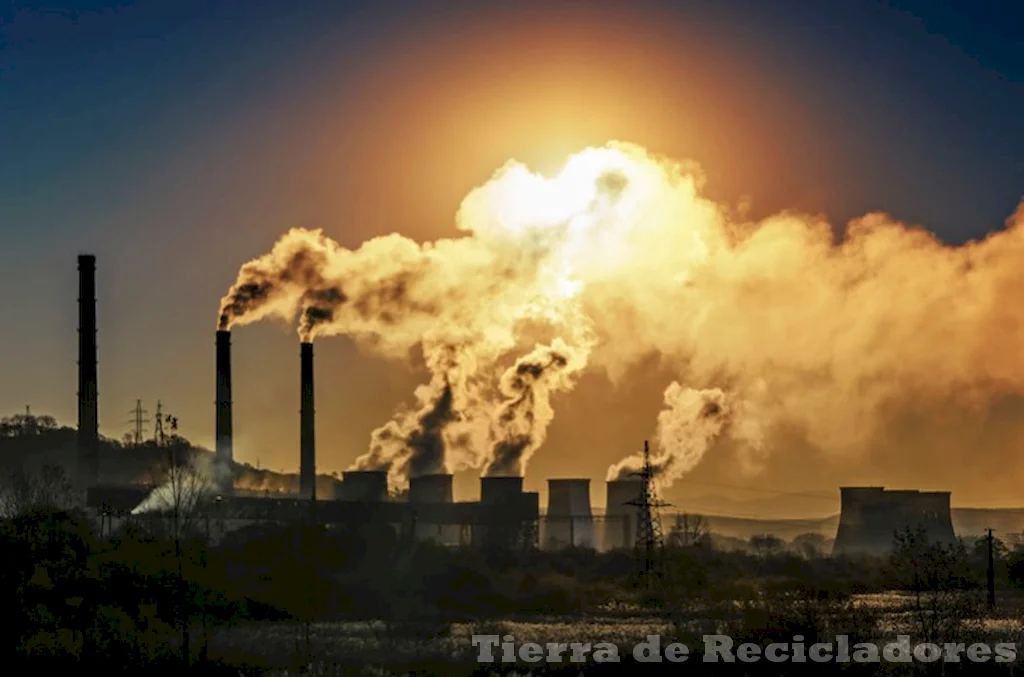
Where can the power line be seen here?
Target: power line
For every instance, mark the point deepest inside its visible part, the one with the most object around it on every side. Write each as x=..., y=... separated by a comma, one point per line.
x=763, y=491
x=759, y=517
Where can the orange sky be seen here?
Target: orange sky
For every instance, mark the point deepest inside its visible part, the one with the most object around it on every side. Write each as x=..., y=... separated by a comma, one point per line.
x=363, y=146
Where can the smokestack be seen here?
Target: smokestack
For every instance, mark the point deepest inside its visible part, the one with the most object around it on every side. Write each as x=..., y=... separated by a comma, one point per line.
x=88, y=407
x=364, y=485
x=307, y=425
x=569, y=521
x=225, y=453
x=620, y=516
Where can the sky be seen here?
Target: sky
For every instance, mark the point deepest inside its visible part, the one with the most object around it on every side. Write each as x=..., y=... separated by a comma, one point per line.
x=177, y=140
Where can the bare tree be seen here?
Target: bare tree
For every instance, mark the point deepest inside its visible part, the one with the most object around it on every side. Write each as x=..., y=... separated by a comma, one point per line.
x=945, y=597
x=23, y=490
x=690, y=530
x=180, y=498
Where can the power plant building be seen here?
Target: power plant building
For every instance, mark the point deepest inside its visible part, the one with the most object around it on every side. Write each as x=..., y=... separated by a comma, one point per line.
x=871, y=517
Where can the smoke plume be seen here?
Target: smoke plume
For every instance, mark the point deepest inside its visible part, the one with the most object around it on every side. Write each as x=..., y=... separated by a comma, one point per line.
x=688, y=425
x=524, y=414
x=185, y=484
x=829, y=335
x=419, y=440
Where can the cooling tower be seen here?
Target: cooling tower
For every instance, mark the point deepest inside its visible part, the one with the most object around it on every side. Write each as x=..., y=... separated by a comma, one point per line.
x=569, y=521
x=620, y=516
x=364, y=485
x=431, y=489
x=88, y=404
x=871, y=517
x=500, y=490
x=430, y=497
x=937, y=515
x=307, y=424
x=505, y=513
x=224, y=454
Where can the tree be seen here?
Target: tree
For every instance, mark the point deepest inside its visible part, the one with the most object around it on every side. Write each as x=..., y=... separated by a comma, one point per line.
x=979, y=554
x=1015, y=569
x=23, y=491
x=765, y=545
x=690, y=530
x=26, y=424
x=944, y=590
x=45, y=558
x=810, y=545
x=180, y=498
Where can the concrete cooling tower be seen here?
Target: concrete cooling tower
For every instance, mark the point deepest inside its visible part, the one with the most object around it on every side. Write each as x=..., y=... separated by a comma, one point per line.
x=431, y=498
x=620, y=515
x=871, y=517
x=370, y=486
x=507, y=514
x=569, y=521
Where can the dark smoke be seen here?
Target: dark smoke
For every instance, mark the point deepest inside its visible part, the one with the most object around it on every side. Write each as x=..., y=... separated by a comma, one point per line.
x=426, y=443
x=520, y=425
x=319, y=307
x=265, y=281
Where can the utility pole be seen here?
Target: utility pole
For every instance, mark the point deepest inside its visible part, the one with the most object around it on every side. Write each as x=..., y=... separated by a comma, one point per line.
x=991, y=573
x=137, y=421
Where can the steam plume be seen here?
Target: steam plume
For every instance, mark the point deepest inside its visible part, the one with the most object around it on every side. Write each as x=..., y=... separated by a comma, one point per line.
x=688, y=425
x=522, y=419
x=832, y=335
x=185, y=485
x=419, y=440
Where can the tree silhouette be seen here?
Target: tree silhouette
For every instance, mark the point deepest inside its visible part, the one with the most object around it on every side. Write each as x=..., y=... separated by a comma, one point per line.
x=689, y=530
x=23, y=490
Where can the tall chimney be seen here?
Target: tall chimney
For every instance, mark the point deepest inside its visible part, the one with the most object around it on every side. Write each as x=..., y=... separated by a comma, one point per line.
x=225, y=453
x=307, y=426
x=88, y=407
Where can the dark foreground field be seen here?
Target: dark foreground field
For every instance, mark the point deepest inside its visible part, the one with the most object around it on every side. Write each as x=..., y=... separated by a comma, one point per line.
x=281, y=600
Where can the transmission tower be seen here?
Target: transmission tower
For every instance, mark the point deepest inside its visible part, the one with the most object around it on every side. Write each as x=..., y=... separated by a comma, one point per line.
x=159, y=433
x=158, y=428
x=137, y=422
x=648, y=530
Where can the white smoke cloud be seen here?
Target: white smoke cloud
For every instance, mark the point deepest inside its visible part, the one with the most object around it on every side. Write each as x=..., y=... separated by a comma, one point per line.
x=791, y=325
